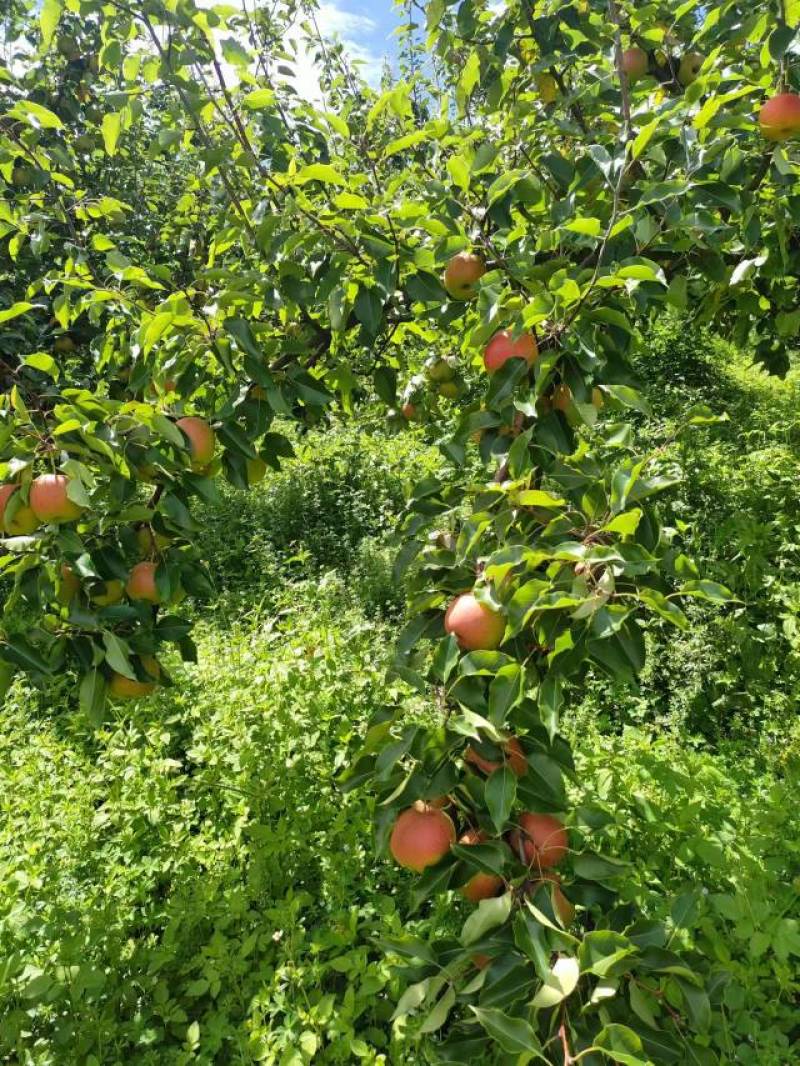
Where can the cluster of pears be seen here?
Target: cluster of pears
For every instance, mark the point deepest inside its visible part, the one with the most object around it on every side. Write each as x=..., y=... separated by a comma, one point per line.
x=779, y=117
x=636, y=64
x=140, y=586
x=50, y=502
x=461, y=277
x=424, y=833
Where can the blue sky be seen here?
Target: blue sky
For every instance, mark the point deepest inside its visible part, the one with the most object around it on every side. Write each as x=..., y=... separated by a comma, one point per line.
x=365, y=28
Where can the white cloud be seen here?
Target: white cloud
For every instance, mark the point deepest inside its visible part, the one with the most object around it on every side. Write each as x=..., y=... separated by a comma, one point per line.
x=334, y=23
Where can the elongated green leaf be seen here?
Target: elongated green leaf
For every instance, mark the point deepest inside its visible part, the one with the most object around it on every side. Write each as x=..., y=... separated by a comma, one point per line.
x=501, y=792
x=621, y=1044
x=17, y=650
x=438, y=1016
x=413, y=997
x=530, y=937
x=490, y=857
x=19, y=308
x=92, y=696
x=117, y=652
x=48, y=19
x=36, y=115
x=514, y=1035
x=110, y=128
x=258, y=99
x=322, y=172
x=779, y=41
x=505, y=693
x=707, y=590
x=595, y=867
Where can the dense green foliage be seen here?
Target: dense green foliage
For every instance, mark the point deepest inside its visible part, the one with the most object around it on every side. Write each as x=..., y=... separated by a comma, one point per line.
x=204, y=275
x=735, y=674
x=190, y=884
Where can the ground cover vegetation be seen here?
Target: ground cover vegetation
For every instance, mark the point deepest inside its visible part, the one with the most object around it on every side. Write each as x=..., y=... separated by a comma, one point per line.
x=399, y=513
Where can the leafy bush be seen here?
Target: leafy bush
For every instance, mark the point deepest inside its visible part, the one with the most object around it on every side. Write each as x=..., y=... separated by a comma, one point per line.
x=341, y=488
x=715, y=850
x=189, y=882
x=734, y=676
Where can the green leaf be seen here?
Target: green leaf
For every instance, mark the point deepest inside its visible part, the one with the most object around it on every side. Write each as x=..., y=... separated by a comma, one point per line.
x=595, y=867
x=538, y=498
x=259, y=99
x=19, y=308
x=438, y=1016
x=92, y=696
x=110, y=127
x=500, y=186
x=560, y=983
x=369, y=310
x=666, y=608
x=626, y=523
x=589, y=227
x=167, y=429
x=7, y=674
x=531, y=938
x=490, y=856
x=117, y=654
x=621, y=1044
x=156, y=329
x=677, y=292
x=458, y=171
x=48, y=19
x=35, y=115
x=707, y=590
x=173, y=628
x=348, y=201
x=779, y=41
x=505, y=692
x=629, y=398
x=43, y=362
x=469, y=76
x=514, y=1035
x=604, y=952
x=409, y=947
x=385, y=380
x=234, y=438
x=408, y=140
x=642, y=1004
x=501, y=792
x=643, y=137
x=488, y=915
x=436, y=879
x=37, y=987
x=413, y=997
x=239, y=329
x=322, y=172
x=19, y=651
x=234, y=52
x=698, y=1006
x=550, y=699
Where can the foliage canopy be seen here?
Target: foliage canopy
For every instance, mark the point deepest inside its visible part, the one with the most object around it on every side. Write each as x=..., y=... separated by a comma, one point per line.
x=189, y=238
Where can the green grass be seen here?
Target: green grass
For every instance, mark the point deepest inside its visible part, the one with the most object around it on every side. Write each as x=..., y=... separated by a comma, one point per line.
x=194, y=862
x=189, y=885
